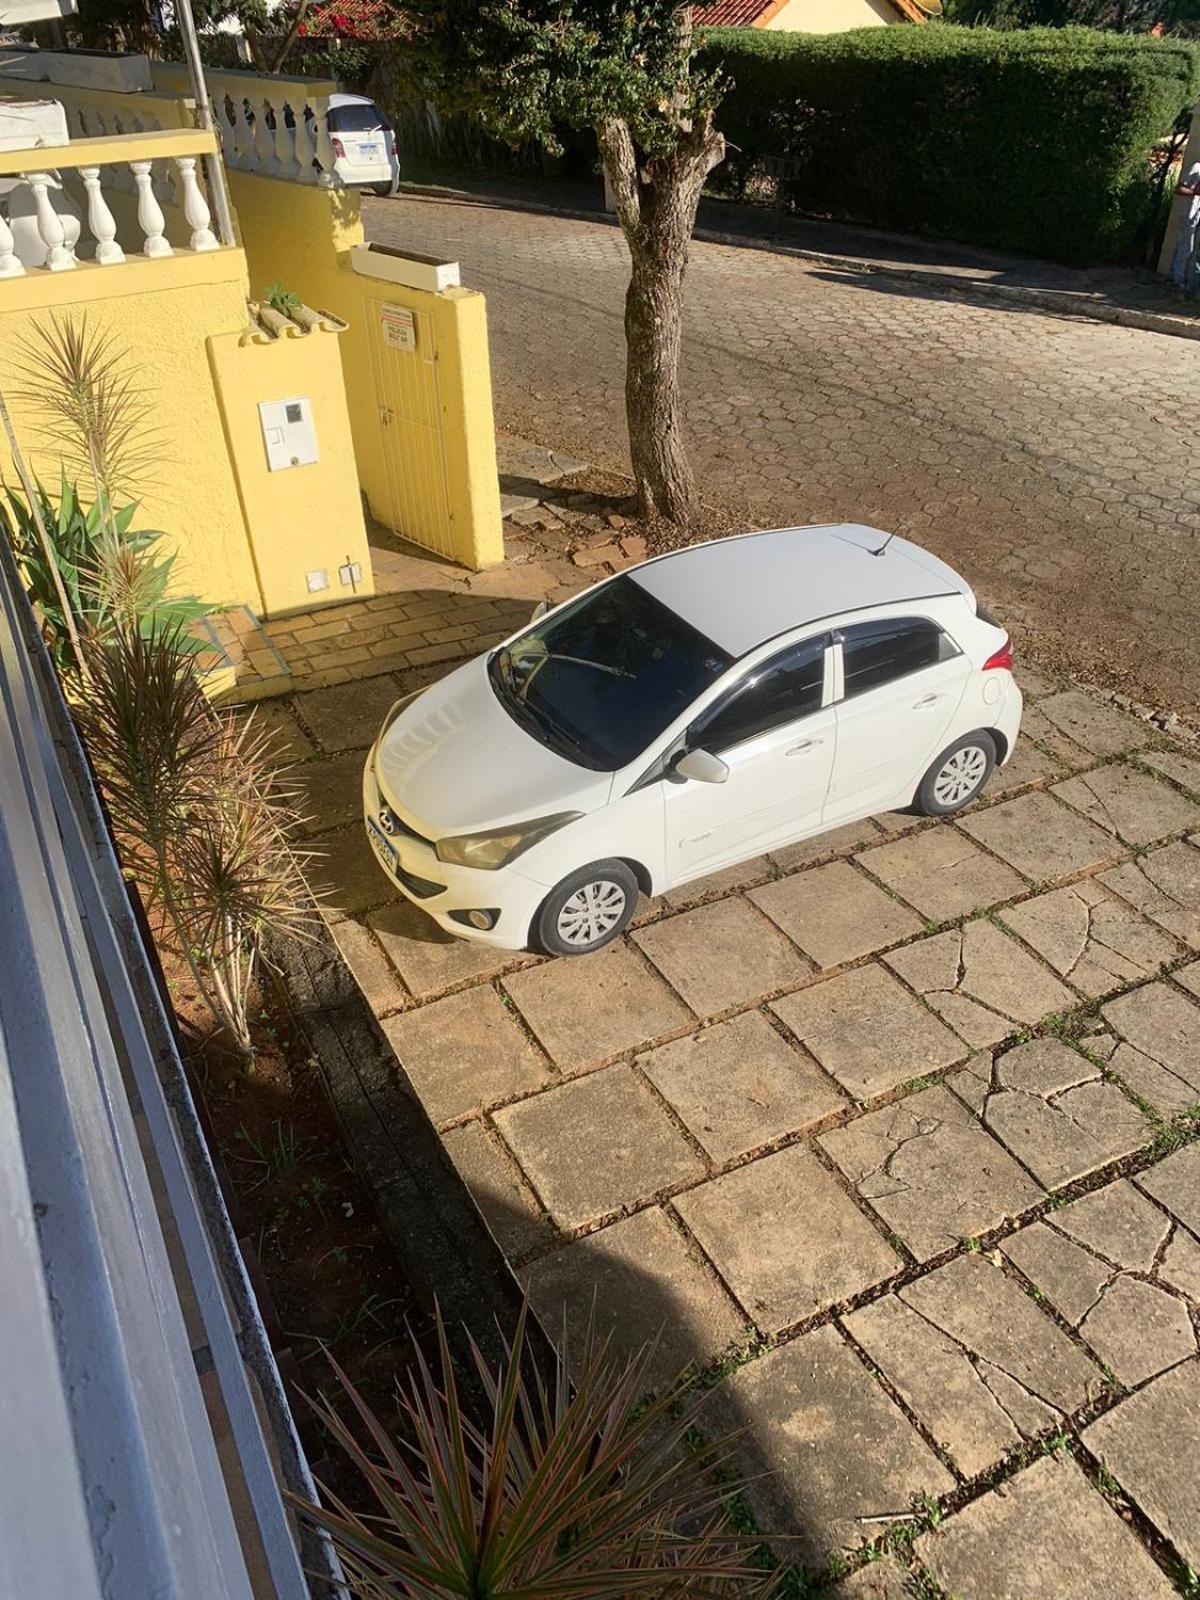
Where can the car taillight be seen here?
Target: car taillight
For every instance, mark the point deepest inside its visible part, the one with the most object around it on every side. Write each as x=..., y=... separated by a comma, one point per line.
x=339, y=149
x=1000, y=660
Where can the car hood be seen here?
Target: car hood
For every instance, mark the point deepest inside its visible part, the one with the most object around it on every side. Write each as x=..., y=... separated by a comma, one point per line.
x=454, y=760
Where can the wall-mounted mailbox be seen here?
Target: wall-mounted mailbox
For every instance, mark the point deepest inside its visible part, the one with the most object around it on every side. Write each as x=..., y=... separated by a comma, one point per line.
x=288, y=433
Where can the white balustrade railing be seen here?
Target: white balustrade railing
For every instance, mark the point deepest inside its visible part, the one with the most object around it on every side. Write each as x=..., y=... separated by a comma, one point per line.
x=49, y=222
x=271, y=125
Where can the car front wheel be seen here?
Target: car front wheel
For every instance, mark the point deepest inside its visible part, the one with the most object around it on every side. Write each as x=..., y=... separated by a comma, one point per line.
x=957, y=776
x=587, y=910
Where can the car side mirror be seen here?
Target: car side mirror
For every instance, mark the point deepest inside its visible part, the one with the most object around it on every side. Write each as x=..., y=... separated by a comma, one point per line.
x=702, y=767
x=539, y=610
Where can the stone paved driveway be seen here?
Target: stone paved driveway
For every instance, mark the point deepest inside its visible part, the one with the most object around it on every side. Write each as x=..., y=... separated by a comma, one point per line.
x=1054, y=460
x=887, y=1134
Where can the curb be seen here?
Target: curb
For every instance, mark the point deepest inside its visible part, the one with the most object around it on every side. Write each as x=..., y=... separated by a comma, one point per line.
x=1047, y=301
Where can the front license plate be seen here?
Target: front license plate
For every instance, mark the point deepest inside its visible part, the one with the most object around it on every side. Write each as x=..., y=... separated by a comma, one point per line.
x=383, y=847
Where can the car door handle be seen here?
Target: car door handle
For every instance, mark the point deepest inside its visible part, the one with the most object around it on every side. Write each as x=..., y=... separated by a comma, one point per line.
x=804, y=746
x=926, y=701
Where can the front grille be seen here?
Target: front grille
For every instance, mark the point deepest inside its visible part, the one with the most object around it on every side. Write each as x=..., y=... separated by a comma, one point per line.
x=392, y=824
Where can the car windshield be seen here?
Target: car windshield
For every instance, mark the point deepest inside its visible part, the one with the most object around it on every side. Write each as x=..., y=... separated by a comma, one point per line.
x=602, y=678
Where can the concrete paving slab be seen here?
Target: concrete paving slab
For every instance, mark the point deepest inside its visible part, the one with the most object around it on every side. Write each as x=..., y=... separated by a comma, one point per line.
x=464, y=1053
x=942, y=874
x=595, y=1145
x=1093, y=939
x=1127, y=803
x=1045, y=1532
x=867, y=1031
x=930, y=1170
x=1151, y=1445
x=430, y=961
x=646, y=1285
x=1164, y=885
x=722, y=955
x=1160, y=1055
x=786, y=1238
x=739, y=1085
x=832, y=1459
x=835, y=914
x=1040, y=837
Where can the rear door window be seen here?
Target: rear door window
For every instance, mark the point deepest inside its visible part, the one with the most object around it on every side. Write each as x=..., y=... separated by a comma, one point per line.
x=876, y=653
x=781, y=691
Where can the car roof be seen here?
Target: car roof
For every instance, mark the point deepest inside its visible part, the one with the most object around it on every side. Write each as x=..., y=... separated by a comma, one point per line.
x=340, y=99
x=742, y=591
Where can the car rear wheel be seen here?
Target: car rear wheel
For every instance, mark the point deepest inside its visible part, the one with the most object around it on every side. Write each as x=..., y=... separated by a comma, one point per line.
x=587, y=910
x=957, y=776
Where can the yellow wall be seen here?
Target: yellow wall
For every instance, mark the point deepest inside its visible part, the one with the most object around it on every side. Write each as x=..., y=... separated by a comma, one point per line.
x=832, y=16
x=303, y=237
x=302, y=518
x=163, y=313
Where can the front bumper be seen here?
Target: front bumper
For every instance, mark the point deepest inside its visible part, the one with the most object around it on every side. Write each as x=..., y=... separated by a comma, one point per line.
x=438, y=888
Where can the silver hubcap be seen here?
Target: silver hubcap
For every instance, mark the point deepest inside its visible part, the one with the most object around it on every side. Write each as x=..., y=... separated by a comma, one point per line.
x=591, y=912
x=960, y=776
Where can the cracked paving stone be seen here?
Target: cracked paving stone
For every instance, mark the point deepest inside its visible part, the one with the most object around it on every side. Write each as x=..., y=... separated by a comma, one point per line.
x=867, y=1031
x=1029, y=763
x=938, y=1382
x=834, y=913
x=738, y=1085
x=1100, y=728
x=1054, y=1111
x=941, y=873
x=826, y=1451
x=1151, y=1445
x=1137, y=1328
x=930, y=1170
x=1189, y=977
x=1047, y=1534
x=1159, y=1056
x=1163, y=885
x=1040, y=836
x=981, y=982
x=1126, y=802
x=1175, y=1184
x=596, y=1144
x=786, y=1238
x=645, y=1285
x=1035, y=726
x=1091, y=938
x=1031, y=1367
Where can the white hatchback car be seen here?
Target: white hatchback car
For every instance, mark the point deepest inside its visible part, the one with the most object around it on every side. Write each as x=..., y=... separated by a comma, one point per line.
x=683, y=716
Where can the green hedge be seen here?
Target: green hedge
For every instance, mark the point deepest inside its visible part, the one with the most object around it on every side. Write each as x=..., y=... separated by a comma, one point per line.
x=1031, y=141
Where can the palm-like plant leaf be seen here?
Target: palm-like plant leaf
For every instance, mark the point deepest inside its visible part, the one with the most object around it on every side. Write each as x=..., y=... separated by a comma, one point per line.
x=566, y=1494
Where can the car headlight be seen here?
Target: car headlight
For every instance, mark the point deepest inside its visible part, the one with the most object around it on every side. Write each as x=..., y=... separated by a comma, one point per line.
x=496, y=847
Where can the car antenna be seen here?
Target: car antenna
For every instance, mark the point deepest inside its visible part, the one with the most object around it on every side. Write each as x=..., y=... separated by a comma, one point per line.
x=884, y=545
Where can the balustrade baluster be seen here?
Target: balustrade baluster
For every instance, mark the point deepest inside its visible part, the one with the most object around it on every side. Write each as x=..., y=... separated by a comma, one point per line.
x=324, y=149
x=49, y=223
x=10, y=267
x=149, y=212
x=101, y=222
x=305, y=146
x=195, y=207
x=264, y=139
x=285, y=142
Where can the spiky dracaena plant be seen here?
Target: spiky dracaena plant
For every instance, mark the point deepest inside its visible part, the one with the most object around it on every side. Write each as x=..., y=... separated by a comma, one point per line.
x=203, y=811
x=569, y=1492
x=85, y=392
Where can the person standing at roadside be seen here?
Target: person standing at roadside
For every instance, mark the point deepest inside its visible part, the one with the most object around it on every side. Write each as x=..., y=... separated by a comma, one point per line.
x=1185, y=263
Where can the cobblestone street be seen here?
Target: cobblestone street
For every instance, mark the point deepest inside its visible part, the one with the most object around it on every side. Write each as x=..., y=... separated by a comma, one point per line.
x=1053, y=460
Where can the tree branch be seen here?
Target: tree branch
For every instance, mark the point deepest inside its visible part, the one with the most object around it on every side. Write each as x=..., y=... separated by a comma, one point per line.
x=621, y=169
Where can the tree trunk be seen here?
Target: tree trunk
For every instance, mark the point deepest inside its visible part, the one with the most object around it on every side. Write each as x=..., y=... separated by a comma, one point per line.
x=656, y=205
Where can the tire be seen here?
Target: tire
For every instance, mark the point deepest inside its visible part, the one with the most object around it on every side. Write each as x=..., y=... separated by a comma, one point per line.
x=385, y=190
x=597, y=920
x=959, y=773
